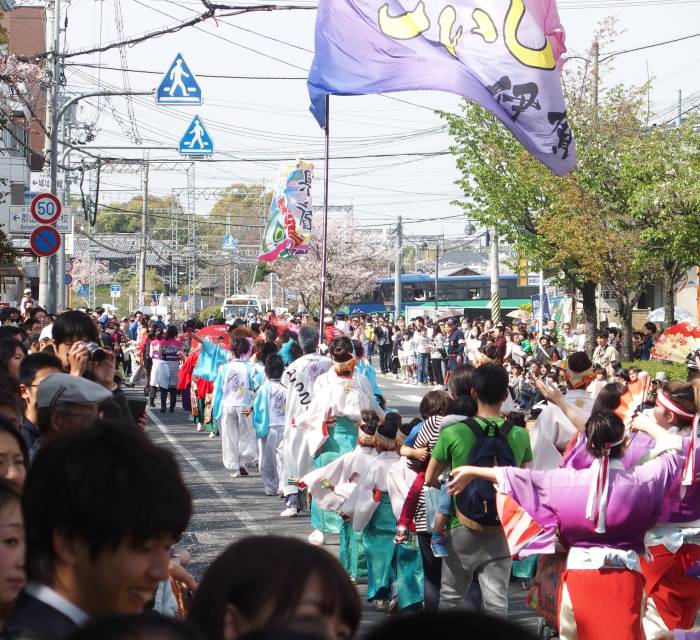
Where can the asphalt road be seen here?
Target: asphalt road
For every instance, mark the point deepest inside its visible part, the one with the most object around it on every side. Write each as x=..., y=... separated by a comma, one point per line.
x=227, y=509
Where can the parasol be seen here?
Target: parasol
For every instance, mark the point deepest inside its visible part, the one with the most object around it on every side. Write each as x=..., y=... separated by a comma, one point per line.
x=450, y=313
x=680, y=314
x=216, y=333
x=677, y=342
x=519, y=314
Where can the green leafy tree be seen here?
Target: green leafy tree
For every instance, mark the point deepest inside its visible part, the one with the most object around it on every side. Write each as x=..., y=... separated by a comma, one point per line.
x=242, y=209
x=8, y=255
x=164, y=213
x=154, y=284
x=662, y=170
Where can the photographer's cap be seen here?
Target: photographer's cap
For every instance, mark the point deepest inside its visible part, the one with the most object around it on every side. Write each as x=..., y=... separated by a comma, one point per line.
x=62, y=388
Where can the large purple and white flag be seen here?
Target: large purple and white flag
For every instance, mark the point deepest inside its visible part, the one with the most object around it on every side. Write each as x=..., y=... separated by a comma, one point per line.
x=501, y=54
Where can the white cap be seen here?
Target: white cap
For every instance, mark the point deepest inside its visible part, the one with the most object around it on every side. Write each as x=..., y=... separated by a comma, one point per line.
x=27, y=290
x=46, y=332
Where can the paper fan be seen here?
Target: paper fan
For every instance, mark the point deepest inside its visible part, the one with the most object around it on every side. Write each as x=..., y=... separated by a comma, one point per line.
x=677, y=342
x=634, y=396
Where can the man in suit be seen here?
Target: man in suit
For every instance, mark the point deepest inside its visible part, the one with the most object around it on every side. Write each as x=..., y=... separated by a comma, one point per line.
x=102, y=507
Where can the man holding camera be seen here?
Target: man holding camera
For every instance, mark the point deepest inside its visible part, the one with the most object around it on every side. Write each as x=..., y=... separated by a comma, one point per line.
x=77, y=344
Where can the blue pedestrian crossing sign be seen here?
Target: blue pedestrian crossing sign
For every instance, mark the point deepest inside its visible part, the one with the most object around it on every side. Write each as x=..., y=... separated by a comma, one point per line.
x=196, y=141
x=179, y=85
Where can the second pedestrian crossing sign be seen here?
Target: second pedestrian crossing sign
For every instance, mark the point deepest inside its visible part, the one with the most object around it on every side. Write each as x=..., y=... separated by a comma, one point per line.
x=196, y=141
x=179, y=85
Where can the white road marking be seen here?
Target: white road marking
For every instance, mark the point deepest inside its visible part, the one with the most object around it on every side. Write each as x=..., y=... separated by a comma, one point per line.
x=249, y=522
x=410, y=397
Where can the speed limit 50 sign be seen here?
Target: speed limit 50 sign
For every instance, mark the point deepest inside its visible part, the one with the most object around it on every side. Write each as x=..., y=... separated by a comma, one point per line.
x=45, y=208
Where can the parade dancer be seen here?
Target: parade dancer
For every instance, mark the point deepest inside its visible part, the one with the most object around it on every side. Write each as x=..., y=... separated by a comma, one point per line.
x=333, y=484
x=331, y=421
x=553, y=430
x=299, y=378
x=394, y=572
x=269, y=409
x=671, y=565
x=601, y=515
x=233, y=404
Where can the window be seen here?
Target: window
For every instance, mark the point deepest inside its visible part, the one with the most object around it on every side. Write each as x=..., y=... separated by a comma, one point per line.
x=474, y=293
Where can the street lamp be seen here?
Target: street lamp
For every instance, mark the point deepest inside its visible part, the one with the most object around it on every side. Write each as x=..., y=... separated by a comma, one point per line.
x=51, y=268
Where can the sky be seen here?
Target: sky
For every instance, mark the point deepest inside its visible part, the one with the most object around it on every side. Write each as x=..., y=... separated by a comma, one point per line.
x=268, y=120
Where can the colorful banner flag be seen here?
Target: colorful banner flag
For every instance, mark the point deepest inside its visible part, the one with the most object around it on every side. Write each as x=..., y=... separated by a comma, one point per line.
x=288, y=228
x=503, y=56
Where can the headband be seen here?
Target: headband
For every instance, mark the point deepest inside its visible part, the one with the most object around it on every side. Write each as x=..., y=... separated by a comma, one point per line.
x=688, y=475
x=671, y=406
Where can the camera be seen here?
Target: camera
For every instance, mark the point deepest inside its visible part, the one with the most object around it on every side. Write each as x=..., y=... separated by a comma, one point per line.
x=96, y=352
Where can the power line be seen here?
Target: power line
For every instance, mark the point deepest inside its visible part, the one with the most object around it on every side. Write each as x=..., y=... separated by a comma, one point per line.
x=217, y=76
x=647, y=46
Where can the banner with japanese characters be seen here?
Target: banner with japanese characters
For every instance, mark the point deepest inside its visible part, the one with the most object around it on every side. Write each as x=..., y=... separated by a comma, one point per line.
x=502, y=55
x=288, y=228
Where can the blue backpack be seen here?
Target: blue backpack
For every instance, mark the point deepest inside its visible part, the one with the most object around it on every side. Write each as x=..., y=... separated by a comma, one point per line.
x=477, y=502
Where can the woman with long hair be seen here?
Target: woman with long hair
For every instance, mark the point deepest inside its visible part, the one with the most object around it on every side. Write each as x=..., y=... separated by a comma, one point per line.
x=12, y=352
x=601, y=515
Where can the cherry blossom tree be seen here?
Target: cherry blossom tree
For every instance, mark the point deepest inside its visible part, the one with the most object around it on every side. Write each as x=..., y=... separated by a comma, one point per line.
x=356, y=259
x=88, y=270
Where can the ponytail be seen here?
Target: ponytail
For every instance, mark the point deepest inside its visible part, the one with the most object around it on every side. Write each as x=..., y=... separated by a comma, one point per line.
x=605, y=432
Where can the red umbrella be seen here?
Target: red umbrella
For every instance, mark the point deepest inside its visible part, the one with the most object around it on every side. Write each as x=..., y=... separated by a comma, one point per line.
x=677, y=342
x=216, y=333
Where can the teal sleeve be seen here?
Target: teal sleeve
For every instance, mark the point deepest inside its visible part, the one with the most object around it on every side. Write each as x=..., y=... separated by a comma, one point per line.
x=261, y=418
x=218, y=394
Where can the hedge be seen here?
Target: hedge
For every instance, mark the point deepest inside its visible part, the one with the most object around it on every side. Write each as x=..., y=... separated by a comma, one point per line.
x=674, y=370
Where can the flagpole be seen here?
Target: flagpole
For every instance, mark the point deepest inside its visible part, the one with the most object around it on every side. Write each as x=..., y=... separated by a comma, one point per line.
x=324, y=245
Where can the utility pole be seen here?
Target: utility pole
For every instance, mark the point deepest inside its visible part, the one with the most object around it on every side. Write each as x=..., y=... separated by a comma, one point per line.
x=595, y=54
x=680, y=108
x=144, y=230
x=47, y=266
x=397, y=271
x=495, y=292
x=437, y=275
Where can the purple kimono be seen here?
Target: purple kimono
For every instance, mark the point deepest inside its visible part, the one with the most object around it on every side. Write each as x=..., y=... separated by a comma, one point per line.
x=557, y=499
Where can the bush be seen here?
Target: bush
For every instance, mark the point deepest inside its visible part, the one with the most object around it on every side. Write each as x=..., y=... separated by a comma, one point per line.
x=674, y=370
x=203, y=315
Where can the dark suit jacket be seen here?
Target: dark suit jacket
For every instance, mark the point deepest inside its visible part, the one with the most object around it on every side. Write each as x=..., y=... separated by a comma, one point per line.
x=34, y=619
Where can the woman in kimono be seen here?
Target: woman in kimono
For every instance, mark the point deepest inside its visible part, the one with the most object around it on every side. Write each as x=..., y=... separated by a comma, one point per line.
x=330, y=422
x=671, y=566
x=233, y=404
x=394, y=571
x=333, y=484
x=269, y=408
x=601, y=515
x=166, y=354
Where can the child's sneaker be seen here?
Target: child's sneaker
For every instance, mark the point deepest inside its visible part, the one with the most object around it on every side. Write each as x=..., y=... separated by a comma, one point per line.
x=438, y=544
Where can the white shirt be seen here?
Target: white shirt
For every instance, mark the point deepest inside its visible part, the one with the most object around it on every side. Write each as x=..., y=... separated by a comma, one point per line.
x=553, y=430
x=56, y=601
x=421, y=343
